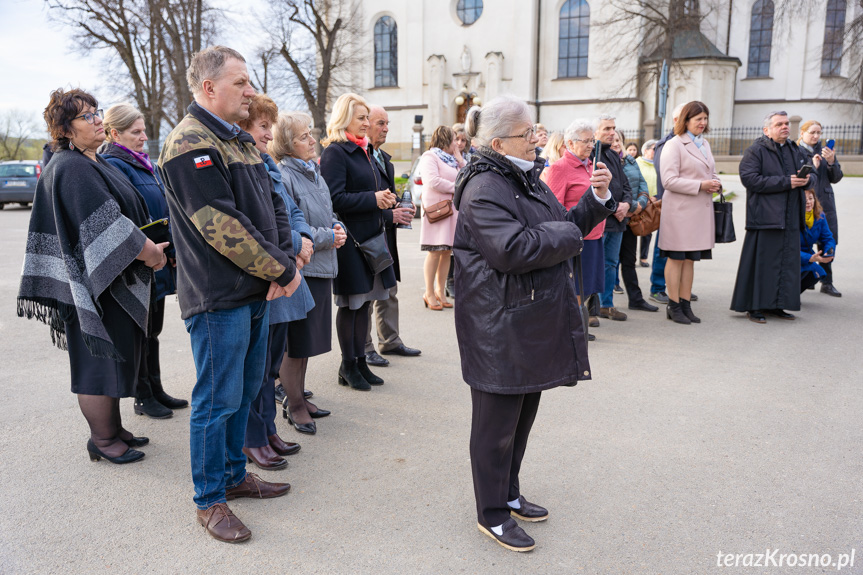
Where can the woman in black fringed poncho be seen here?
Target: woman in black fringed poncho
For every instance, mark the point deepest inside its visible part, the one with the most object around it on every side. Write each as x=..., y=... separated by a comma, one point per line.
x=87, y=270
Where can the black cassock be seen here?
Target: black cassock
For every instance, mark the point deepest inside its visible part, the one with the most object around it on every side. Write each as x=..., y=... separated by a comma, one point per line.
x=768, y=276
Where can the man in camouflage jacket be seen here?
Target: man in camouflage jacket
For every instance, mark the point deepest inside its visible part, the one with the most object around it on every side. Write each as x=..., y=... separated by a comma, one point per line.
x=233, y=242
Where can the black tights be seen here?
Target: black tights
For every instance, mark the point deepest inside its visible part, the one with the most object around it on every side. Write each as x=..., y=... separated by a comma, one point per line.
x=106, y=428
x=292, y=374
x=352, y=326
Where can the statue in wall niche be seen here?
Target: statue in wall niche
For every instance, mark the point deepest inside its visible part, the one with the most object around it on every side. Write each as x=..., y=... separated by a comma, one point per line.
x=465, y=60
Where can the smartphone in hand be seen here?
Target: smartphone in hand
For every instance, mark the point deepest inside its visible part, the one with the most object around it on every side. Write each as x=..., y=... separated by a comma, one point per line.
x=831, y=143
x=805, y=171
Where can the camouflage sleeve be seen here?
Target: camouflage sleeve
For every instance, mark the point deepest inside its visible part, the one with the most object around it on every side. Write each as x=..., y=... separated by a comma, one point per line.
x=207, y=198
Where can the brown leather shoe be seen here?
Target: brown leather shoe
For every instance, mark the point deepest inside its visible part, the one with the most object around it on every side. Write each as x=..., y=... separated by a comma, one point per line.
x=612, y=313
x=256, y=488
x=222, y=524
x=283, y=447
x=265, y=457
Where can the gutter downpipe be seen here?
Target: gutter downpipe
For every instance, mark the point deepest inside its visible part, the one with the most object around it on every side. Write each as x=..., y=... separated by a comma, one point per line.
x=538, y=43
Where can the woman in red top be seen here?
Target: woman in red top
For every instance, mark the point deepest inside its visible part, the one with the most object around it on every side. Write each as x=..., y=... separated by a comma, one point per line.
x=569, y=179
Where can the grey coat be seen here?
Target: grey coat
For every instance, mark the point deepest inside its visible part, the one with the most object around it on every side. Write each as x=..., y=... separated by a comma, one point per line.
x=313, y=198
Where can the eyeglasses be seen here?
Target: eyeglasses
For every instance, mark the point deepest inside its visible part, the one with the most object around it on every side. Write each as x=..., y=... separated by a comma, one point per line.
x=587, y=142
x=90, y=117
x=527, y=135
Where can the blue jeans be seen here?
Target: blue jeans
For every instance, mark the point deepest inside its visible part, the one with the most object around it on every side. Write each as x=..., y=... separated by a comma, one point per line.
x=229, y=347
x=611, y=245
x=657, y=274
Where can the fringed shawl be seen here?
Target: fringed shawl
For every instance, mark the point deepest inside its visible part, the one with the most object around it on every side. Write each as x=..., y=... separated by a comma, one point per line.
x=83, y=240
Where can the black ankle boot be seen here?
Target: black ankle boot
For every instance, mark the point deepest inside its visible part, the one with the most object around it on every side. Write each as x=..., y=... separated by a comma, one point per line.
x=687, y=311
x=349, y=374
x=675, y=312
x=152, y=408
x=170, y=402
x=367, y=373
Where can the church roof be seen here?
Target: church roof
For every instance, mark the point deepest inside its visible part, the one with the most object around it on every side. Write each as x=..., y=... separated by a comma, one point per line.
x=691, y=45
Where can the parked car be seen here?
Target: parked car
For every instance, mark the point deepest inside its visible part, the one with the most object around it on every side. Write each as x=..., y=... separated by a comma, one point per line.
x=18, y=181
x=415, y=187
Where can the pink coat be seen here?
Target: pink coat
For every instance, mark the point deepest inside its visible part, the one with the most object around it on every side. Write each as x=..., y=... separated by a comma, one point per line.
x=568, y=179
x=438, y=185
x=687, y=221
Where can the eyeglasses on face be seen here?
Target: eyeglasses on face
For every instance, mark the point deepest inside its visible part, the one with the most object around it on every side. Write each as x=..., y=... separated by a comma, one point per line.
x=90, y=117
x=587, y=142
x=527, y=136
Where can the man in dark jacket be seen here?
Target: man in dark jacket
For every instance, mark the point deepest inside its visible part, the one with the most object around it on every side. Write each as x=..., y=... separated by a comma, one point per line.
x=615, y=224
x=387, y=310
x=768, y=277
x=657, y=274
x=233, y=241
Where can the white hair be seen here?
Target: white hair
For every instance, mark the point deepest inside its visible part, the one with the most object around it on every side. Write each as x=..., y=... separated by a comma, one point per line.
x=648, y=145
x=579, y=126
x=495, y=119
x=677, y=110
x=604, y=118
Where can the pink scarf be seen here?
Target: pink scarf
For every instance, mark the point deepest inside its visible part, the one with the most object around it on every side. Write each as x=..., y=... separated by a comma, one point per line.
x=361, y=142
x=141, y=157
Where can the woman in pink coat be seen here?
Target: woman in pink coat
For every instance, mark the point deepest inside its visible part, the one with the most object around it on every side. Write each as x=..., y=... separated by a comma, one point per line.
x=688, y=174
x=439, y=167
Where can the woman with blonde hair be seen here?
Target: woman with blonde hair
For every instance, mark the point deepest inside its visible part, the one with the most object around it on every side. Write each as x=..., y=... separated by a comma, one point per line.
x=125, y=137
x=553, y=150
x=359, y=197
x=829, y=172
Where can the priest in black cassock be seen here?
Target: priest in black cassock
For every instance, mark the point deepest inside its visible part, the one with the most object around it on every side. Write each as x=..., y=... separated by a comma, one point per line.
x=768, y=277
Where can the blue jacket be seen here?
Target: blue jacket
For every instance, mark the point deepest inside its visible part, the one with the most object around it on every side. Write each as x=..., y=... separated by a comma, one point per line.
x=150, y=187
x=285, y=309
x=819, y=234
x=636, y=182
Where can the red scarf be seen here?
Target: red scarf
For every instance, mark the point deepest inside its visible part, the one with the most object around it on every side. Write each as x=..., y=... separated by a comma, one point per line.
x=362, y=143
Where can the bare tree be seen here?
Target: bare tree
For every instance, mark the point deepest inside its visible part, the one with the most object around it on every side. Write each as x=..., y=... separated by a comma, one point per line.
x=153, y=41
x=318, y=40
x=655, y=30
x=16, y=129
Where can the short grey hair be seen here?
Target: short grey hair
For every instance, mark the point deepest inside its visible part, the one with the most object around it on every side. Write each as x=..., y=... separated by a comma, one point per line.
x=289, y=126
x=495, y=119
x=207, y=65
x=648, y=145
x=675, y=113
x=579, y=126
x=604, y=118
x=768, y=119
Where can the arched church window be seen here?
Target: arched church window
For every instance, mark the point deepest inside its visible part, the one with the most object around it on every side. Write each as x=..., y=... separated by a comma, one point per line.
x=760, y=39
x=468, y=11
x=834, y=32
x=573, y=39
x=386, y=53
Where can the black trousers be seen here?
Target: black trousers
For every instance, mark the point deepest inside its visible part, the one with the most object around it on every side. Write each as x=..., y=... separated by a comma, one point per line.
x=628, y=249
x=499, y=429
x=644, y=247
x=150, y=371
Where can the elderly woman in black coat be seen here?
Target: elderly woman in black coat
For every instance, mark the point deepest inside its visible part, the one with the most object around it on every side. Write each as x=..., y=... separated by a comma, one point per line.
x=359, y=198
x=518, y=321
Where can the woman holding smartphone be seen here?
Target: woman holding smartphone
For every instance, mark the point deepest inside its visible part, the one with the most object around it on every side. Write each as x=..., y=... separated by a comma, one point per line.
x=828, y=170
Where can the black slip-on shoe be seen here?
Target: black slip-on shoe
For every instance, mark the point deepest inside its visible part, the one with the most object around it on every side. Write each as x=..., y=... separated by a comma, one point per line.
x=513, y=538
x=756, y=316
x=830, y=290
x=781, y=314
x=529, y=511
x=643, y=306
x=372, y=358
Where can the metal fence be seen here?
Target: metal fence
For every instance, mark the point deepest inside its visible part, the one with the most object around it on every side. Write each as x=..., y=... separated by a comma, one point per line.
x=734, y=141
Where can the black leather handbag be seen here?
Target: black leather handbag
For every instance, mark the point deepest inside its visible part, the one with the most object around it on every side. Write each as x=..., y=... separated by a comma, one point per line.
x=375, y=250
x=724, y=221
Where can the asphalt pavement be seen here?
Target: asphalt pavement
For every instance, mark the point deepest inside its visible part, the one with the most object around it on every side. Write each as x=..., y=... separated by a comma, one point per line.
x=690, y=443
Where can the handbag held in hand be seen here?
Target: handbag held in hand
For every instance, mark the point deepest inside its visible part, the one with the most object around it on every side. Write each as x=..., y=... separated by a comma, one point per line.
x=724, y=221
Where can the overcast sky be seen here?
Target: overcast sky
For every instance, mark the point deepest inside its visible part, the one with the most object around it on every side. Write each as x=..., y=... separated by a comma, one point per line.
x=38, y=56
